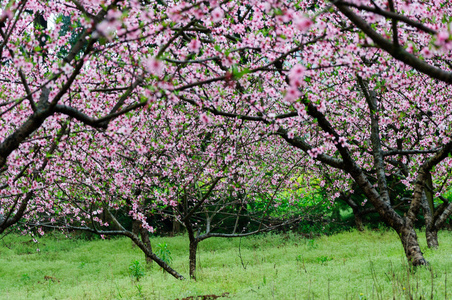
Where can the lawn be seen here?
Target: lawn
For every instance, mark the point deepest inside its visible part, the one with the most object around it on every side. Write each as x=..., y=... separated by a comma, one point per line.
x=349, y=265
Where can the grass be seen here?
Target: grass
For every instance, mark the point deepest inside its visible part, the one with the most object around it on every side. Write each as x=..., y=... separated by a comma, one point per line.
x=351, y=265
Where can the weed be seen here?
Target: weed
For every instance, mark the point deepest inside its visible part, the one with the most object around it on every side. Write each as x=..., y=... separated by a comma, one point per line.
x=164, y=253
x=300, y=260
x=312, y=244
x=139, y=288
x=136, y=270
x=323, y=259
x=25, y=277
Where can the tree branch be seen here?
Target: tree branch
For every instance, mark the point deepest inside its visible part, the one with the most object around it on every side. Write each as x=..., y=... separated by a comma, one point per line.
x=391, y=15
x=397, y=52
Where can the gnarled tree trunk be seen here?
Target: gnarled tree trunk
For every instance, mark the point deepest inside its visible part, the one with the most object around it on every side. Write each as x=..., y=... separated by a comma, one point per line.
x=346, y=197
x=411, y=246
x=358, y=221
x=147, y=242
x=193, y=248
x=135, y=230
x=431, y=235
x=431, y=231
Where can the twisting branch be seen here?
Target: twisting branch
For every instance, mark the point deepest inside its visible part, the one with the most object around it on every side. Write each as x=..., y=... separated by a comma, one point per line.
x=8, y=221
x=238, y=235
x=375, y=139
x=409, y=152
x=395, y=34
x=173, y=38
x=395, y=51
x=391, y=15
x=423, y=173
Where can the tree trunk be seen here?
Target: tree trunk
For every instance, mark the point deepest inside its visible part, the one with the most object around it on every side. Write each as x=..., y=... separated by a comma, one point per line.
x=358, y=221
x=176, y=227
x=346, y=197
x=154, y=257
x=193, y=249
x=147, y=250
x=135, y=230
x=411, y=246
x=432, y=237
x=403, y=226
x=147, y=242
x=193, y=246
x=431, y=231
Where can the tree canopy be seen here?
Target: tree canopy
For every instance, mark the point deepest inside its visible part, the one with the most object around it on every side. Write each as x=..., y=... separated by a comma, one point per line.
x=110, y=105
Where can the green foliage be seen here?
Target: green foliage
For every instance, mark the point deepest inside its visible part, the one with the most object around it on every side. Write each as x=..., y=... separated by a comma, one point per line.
x=164, y=253
x=312, y=244
x=323, y=259
x=85, y=236
x=136, y=270
x=140, y=290
x=76, y=31
x=25, y=277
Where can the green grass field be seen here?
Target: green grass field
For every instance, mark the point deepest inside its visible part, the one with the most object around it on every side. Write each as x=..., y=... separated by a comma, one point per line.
x=352, y=265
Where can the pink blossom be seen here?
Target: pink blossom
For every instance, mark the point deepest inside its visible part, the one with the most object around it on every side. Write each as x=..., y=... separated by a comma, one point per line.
x=409, y=48
x=343, y=141
x=148, y=227
x=443, y=40
x=153, y=66
x=442, y=37
x=194, y=45
x=174, y=14
x=227, y=61
x=292, y=94
x=296, y=75
x=229, y=158
x=114, y=14
x=198, y=13
x=297, y=71
x=265, y=6
x=302, y=23
x=205, y=118
x=106, y=28
x=217, y=15
x=314, y=152
x=427, y=53
x=67, y=69
x=6, y=14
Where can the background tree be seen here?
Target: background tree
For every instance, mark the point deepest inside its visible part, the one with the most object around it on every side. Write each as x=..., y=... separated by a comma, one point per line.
x=33, y=126
x=194, y=170
x=350, y=86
